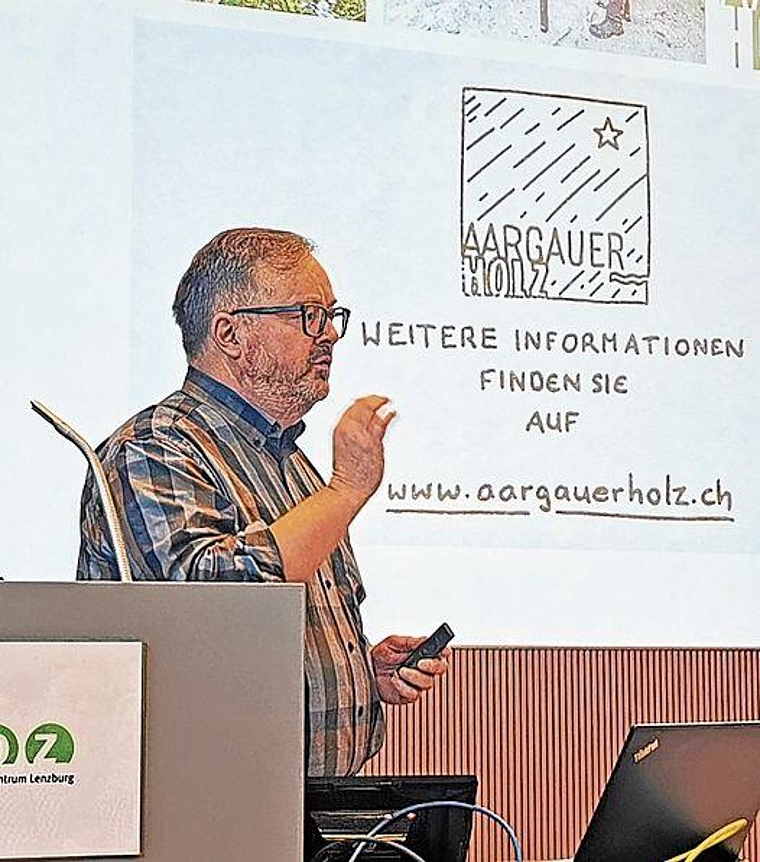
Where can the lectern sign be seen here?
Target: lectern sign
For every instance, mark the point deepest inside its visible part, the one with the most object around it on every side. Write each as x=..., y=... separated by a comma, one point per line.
x=71, y=716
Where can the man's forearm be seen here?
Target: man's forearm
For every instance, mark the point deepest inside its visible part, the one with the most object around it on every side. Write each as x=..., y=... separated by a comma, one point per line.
x=310, y=532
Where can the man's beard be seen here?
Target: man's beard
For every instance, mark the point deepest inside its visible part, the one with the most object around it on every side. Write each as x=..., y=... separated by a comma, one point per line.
x=287, y=390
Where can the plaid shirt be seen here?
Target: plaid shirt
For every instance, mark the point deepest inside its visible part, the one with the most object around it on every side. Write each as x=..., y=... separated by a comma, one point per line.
x=198, y=479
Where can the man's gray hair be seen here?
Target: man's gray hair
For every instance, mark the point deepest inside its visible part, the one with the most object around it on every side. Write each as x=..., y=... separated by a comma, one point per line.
x=224, y=273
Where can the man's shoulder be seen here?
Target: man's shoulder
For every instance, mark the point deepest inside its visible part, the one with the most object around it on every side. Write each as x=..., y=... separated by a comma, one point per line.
x=171, y=422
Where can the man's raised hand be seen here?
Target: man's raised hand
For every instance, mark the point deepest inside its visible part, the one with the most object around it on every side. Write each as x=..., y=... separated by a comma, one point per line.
x=358, y=451
x=307, y=534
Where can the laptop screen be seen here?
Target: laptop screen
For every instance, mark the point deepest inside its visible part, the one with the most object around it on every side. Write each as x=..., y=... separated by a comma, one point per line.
x=672, y=786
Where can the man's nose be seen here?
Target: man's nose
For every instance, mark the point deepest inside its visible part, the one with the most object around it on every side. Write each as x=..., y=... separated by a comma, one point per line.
x=329, y=333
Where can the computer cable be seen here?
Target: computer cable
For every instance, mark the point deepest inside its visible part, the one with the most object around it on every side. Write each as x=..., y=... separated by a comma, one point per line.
x=479, y=809
x=366, y=839
x=717, y=837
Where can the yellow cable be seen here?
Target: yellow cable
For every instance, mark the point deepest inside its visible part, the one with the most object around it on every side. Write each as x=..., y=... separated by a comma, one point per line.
x=718, y=837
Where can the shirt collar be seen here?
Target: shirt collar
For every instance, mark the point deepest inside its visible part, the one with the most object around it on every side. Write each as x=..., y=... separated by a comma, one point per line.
x=278, y=441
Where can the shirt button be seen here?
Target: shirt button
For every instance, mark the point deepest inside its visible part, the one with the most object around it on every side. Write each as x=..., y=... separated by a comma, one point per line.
x=351, y=646
x=360, y=711
x=327, y=584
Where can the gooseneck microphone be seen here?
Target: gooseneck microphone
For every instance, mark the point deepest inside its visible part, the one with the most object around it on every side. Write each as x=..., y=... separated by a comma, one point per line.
x=112, y=520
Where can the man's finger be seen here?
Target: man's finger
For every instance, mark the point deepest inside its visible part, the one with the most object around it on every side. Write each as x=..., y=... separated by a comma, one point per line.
x=366, y=407
x=380, y=422
x=416, y=678
x=401, y=645
x=408, y=692
x=375, y=417
x=434, y=666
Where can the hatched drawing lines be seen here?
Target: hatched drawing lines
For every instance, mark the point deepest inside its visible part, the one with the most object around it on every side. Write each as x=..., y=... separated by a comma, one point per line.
x=555, y=197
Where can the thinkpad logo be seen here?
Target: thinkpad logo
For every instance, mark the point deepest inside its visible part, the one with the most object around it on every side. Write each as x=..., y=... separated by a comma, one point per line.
x=648, y=749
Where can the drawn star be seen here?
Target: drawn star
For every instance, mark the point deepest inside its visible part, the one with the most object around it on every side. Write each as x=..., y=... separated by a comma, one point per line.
x=608, y=135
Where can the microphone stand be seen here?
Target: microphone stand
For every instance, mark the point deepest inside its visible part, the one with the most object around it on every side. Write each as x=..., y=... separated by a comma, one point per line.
x=112, y=520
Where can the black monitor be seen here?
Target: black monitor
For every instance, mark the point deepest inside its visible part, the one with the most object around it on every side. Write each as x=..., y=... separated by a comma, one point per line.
x=341, y=807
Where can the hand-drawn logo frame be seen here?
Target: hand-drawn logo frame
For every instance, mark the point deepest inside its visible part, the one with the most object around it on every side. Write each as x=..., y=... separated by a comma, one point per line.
x=601, y=143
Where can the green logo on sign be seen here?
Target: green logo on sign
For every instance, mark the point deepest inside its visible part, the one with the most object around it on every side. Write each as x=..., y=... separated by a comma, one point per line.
x=11, y=744
x=51, y=742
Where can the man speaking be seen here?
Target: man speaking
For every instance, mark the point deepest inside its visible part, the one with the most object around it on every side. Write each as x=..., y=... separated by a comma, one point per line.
x=212, y=486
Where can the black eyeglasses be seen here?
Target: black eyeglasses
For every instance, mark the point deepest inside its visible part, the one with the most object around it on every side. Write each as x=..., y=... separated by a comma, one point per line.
x=314, y=317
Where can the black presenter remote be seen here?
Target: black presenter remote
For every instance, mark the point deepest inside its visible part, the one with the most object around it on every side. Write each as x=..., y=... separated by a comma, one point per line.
x=431, y=647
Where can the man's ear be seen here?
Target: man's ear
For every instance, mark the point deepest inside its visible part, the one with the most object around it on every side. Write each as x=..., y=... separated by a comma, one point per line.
x=224, y=334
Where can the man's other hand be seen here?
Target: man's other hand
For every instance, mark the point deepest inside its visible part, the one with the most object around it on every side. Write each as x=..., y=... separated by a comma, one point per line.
x=358, y=455
x=398, y=684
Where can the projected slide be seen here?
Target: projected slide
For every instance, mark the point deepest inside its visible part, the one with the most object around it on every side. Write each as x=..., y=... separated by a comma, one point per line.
x=545, y=230
x=531, y=275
